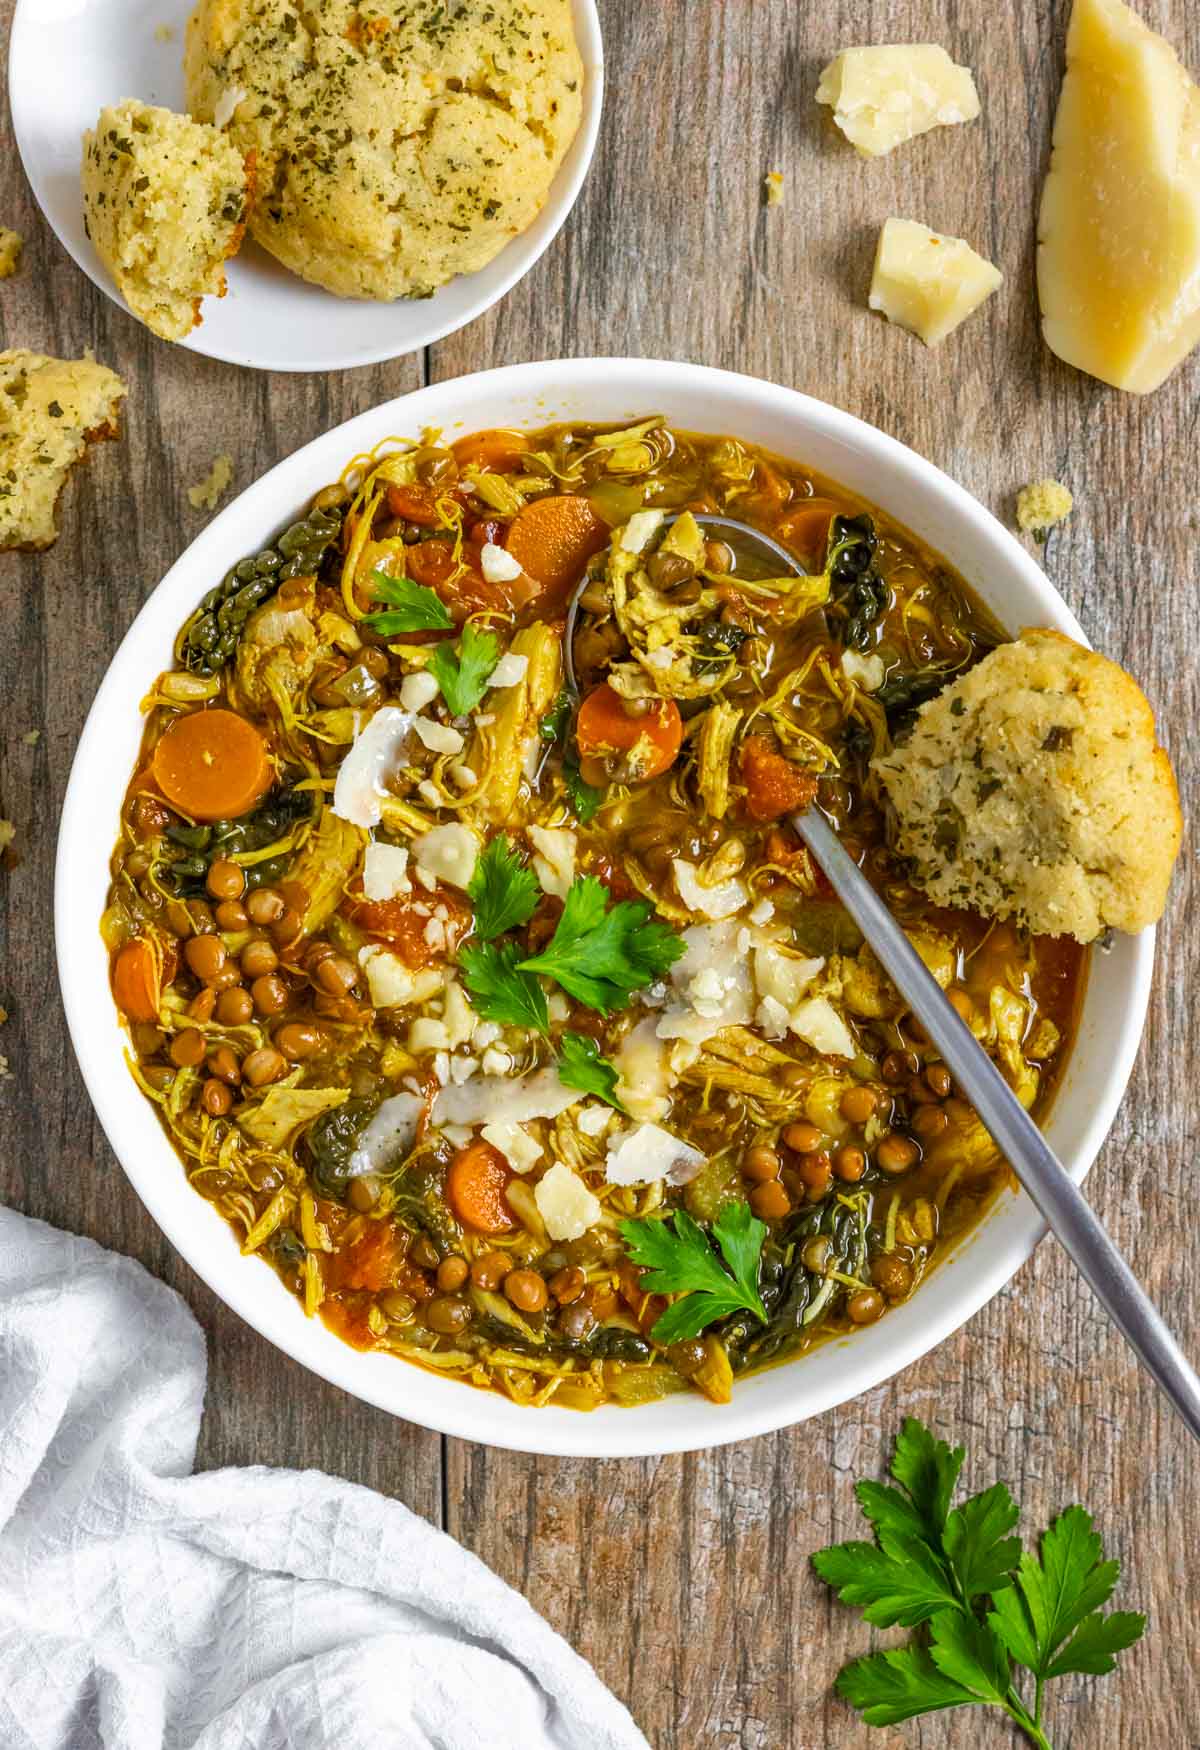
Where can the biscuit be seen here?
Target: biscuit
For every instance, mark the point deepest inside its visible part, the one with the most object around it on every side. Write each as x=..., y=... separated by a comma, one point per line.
x=50, y=410
x=1034, y=788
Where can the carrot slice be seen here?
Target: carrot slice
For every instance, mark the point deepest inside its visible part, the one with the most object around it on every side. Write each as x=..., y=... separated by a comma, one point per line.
x=607, y=726
x=807, y=526
x=475, y=1185
x=498, y=450
x=774, y=786
x=415, y=503
x=212, y=765
x=552, y=540
x=135, y=981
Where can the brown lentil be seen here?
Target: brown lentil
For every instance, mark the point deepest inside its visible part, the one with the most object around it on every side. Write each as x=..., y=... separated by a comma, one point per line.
x=234, y=1007
x=264, y=905
x=187, y=1049
x=770, y=1202
x=526, y=1290
x=896, y=1154
x=858, y=1104
x=864, y=1307
x=567, y=1284
x=225, y=879
x=263, y=1066
x=802, y=1137
x=761, y=1163
x=224, y=1064
x=205, y=956
x=448, y=1314
x=452, y=1272
x=489, y=1271
x=258, y=958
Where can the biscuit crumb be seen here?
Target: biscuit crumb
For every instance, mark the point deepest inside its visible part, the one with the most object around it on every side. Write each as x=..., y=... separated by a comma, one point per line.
x=31, y=737
x=11, y=246
x=1034, y=788
x=1042, y=506
x=773, y=188
x=164, y=33
x=207, y=493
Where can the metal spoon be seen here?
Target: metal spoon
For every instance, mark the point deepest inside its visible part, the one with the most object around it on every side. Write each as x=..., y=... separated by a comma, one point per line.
x=1058, y=1199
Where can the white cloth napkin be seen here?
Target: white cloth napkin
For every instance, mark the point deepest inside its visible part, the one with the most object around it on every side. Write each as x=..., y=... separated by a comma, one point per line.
x=145, y=1608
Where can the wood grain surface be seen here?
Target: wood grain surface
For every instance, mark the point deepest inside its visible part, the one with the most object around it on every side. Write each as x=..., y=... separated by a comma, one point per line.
x=685, y=1579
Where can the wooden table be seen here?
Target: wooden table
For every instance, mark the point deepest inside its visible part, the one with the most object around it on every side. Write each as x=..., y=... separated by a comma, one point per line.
x=685, y=1579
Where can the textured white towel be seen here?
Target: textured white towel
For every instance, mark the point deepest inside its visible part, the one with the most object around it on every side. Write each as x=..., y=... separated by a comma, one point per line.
x=144, y=1608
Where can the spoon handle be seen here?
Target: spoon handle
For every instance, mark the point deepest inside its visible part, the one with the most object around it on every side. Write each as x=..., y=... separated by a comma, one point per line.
x=1058, y=1199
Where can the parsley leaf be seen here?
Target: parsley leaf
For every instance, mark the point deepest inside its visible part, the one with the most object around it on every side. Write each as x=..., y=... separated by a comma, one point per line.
x=500, y=991
x=582, y=1065
x=935, y=1566
x=585, y=798
x=1060, y=1594
x=602, y=954
x=503, y=889
x=463, y=678
x=413, y=608
x=680, y=1260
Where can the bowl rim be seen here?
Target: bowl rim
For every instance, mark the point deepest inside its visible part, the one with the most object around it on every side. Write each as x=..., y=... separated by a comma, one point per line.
x=520, y=254
x=448, y=1406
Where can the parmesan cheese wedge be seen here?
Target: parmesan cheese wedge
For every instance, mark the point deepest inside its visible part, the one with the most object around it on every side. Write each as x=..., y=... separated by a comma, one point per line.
x=928, y=283
x=890, y=93
x=1119, y=230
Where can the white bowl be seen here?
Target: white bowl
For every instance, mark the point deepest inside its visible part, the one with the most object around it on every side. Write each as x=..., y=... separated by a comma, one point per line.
x=67, y=58
x=884, y=472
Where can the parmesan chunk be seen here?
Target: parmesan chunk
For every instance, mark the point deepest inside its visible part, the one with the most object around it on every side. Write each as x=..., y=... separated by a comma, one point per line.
x=361, y=783
x=719, y=901
x=510, y=671
x=391, y=983
x=648, y=1154
x=554, y=858
x=438, y=737
x=480, y=1101
x=885, y=95
x=418, y=690
x=818, y=1023
x=565, y=1204
x=519, y=1149
x=641, y=1060
x=642, y=526
x=447, y=853
x=865, y=671
x=928, y=283
x=1119, y=229
x=385, y=872
x=498, y=564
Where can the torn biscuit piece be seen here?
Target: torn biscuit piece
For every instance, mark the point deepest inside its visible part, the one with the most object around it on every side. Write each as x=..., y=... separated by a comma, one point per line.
x=50, y=411
x=165, y=203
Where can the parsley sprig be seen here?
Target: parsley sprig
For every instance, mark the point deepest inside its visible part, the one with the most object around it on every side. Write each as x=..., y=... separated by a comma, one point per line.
x=503, y=889
x=411, y=607
x=677, y=1257
x=500, y=990
x=463, y=675
x=982, y=1605
x=601, y=954
x=582, y=1065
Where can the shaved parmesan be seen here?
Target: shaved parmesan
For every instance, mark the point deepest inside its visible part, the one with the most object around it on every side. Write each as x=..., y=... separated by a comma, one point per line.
x=519, y=1149
x=510, y=671
x=447, y=853
x=498, y=564
x=771, y=1018
x=641, y=1060
x=565, y=1204
x=554, y=858
x=642, y=525
x=721, y=901
x=866, y=671
x=783, y=976
x=594, y=1119
x=375, y=756
x=391, y=983
x=710, y=985
x=481, y=1101
x=648, y=1154
x=438, y=737
x=418, y=690
x=385, y=872
x=819, y=1025
x=391, y=1132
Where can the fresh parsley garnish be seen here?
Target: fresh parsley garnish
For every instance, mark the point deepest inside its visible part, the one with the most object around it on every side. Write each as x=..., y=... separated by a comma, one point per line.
x=681, y=1260
x=499, y=989
x=601, y=954
x=503, y=889
x=412, y=607
x=582, y=1065
x=463, y=677
x=584, y=798
x=981, y=1604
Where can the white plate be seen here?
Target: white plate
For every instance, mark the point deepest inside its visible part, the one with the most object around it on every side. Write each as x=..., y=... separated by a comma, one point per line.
x=612, y=390
x=68, y=58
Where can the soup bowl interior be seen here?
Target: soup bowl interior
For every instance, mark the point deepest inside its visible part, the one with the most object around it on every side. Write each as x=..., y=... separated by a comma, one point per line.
x=605, y=390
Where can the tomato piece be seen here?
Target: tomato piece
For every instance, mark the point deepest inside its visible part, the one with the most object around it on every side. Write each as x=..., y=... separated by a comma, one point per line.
x=607, y=725
x=774, y=786
x=370, y=1262
x=396, y=922
x=415, y=503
